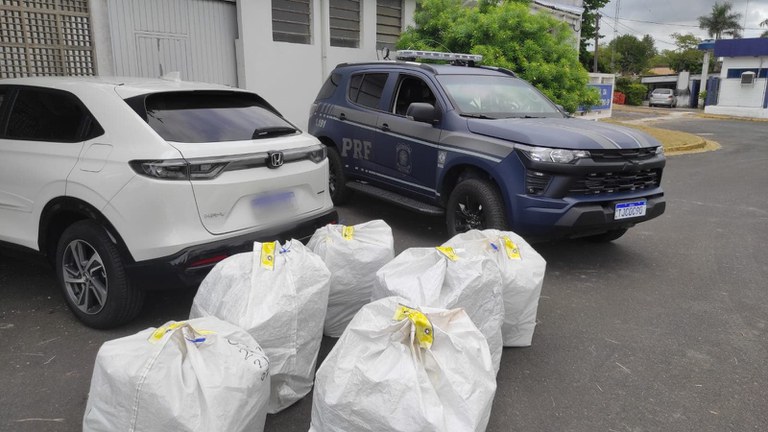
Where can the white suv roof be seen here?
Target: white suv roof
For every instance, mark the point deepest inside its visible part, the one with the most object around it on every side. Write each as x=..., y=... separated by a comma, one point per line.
x=128, y=86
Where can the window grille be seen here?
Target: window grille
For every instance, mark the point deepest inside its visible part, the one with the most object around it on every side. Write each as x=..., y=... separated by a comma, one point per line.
x=345, y=23
x=45, y=37
x=291, y=21
x=389, y=22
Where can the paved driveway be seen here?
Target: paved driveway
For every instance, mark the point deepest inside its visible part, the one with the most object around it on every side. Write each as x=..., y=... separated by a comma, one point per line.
x=663, y=330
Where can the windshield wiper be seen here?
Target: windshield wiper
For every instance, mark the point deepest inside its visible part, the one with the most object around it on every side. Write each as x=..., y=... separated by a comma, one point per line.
x=526, y=116
x=479, y=116
x=273, y=131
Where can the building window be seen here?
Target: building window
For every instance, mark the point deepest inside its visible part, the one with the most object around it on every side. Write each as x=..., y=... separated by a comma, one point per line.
x=737, y=73
x=345, y=23
x=389, y=22
x=291, y=21
x=41, y=38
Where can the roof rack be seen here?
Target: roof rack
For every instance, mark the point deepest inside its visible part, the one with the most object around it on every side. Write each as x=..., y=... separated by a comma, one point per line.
x=456, y=58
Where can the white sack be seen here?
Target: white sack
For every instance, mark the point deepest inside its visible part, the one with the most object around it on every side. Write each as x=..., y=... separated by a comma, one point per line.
x=378, y=378
x=353, y=254
x=199, y=375
x=283, y=308
x=427, y=277
x=522, y=274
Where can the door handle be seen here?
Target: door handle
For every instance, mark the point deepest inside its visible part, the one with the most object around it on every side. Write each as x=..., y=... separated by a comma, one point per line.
x=342, y=116
x=385, y=127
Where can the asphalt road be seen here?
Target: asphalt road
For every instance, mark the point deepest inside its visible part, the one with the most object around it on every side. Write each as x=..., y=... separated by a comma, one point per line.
x=662, y=330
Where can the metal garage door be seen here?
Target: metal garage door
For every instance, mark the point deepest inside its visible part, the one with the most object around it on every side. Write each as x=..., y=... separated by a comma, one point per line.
x=151, y=38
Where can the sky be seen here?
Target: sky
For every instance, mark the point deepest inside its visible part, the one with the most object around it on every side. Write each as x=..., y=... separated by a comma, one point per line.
x=660, y=18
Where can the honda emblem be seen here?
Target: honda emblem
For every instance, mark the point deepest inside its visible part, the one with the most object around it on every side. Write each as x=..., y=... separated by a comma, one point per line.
x=274, y=159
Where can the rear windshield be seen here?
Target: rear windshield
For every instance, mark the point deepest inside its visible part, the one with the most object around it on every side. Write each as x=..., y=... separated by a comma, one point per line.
x=210, y=116
x=662, y=91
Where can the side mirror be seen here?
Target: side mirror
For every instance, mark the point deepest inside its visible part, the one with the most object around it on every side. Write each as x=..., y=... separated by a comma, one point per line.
x=560, y=107
x=421, y=112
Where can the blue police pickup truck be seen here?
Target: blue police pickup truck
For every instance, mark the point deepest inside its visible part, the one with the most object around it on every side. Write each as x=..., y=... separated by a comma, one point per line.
x=484, y=148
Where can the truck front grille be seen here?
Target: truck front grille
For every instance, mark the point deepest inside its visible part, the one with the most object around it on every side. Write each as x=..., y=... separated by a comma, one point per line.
x=602, y=183
x=615, y=155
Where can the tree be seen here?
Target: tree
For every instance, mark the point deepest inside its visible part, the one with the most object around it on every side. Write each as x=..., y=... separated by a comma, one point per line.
x=687, y=56
x=633, y=55
x=765, y=33
x=589, y=30
x=722, y=22
x=536, y=46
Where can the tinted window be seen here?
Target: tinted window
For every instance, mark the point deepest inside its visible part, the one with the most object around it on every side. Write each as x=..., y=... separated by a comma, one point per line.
x=366, y=89
x=662, y=91
x=46, y=115
x=330, y=86
x=211, y=116
x=410, y=90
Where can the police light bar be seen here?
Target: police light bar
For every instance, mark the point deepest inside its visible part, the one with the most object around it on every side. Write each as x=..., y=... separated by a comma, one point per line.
x=437, y=55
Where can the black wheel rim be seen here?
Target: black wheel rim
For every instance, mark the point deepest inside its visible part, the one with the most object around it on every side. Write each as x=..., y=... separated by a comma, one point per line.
x=468, y=214
x=85, y=277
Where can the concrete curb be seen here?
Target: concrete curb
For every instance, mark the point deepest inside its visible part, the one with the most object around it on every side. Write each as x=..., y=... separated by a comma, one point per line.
x=727, y=117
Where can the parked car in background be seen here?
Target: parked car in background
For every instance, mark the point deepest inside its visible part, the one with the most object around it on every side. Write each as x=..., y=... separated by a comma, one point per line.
x=133, y=184
x=484, y=148
x=663, y=97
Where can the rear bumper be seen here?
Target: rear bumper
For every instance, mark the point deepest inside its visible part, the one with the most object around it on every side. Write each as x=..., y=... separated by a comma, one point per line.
x=188, y=267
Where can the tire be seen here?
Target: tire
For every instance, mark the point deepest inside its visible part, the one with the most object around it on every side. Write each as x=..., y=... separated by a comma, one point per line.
x=475, y=204
x=607, y=236
x=337, y=181
x=92, y=277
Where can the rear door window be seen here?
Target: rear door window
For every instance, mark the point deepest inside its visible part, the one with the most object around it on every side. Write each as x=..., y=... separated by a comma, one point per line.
x=211, y=116
x=366, y=89
x=49, y=115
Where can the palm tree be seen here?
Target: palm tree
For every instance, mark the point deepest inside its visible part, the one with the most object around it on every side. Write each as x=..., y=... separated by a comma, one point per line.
x=765, y=33
x=722, y=21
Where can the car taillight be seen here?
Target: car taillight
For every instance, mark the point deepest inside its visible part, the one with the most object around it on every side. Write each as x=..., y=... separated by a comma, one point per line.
x=174, y=169
x=178, y=169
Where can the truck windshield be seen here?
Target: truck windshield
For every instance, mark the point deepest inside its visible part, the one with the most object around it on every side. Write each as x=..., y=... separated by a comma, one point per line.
x=495, y=97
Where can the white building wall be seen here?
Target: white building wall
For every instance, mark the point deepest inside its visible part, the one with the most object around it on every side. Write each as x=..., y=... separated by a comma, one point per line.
x=735, y=94
x=289, y=75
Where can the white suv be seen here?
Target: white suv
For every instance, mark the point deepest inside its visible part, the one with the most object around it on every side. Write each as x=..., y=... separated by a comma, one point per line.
x=133, y=184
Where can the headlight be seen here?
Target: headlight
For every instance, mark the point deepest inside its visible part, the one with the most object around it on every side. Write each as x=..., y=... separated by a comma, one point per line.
x=543, y=154
x=660, y=150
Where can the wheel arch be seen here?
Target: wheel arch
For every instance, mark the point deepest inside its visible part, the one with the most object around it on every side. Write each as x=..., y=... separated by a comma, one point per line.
x=327, y=141
x=462, y=171
x=60, y=213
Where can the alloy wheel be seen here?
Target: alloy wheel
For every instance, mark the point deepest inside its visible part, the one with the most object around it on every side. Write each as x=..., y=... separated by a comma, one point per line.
x=85, y=277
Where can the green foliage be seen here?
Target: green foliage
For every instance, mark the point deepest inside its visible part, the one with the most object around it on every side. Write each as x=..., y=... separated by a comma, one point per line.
x=635, y=94
x=722, y=21
x=536, y=46
x=623, y=83
x=703, y=95
x=633, y=55
x=687, y=56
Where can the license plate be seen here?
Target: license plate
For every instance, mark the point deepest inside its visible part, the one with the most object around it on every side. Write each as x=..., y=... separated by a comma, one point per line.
x=630, y=209
x=273, y=203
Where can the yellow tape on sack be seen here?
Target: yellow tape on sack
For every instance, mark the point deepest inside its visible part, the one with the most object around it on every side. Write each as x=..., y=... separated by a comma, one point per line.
x=424, y=333
x=448, y=252
x=513, y=252
x=268, y=255
x=158, y=334
x=347, y=232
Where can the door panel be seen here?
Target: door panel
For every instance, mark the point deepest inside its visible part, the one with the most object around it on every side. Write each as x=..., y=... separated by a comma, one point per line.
x=34, y=166
x=405, y=151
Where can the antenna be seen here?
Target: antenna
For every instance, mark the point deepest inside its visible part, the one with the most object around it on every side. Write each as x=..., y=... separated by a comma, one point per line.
x=615, y=34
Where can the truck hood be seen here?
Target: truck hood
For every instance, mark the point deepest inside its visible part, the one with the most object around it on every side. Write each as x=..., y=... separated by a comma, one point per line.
x=567, y=133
